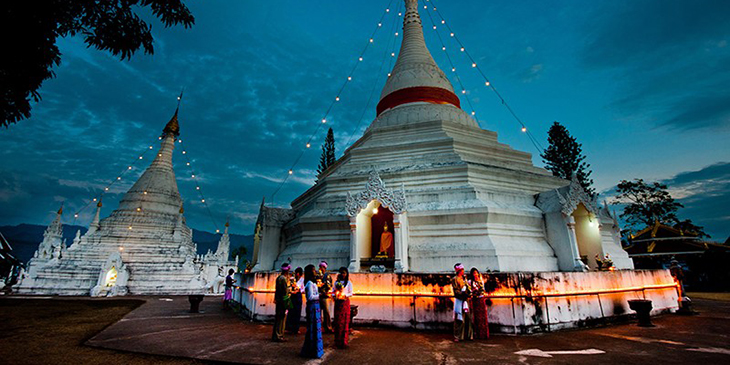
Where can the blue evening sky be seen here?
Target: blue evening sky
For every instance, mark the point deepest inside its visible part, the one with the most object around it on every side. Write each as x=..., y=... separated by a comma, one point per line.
x=644, y=85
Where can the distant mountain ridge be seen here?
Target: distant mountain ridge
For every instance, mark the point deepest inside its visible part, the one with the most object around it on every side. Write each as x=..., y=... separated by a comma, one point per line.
x=25, y=239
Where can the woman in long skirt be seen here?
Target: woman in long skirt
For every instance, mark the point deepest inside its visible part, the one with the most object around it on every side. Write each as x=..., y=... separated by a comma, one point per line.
x=313, y=347
x=342, y=293
x=478, y=304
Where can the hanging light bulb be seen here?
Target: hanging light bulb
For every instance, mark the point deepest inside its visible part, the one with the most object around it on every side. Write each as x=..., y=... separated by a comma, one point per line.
x=76, y=215
x=94, y=199
x=396, y=34
x=474, y=64
x=291, y=172
x=308, y=145
x=337, y=98
x=443, y=22
x=360, y=59
x=140, y=157
x=399, y=14
x=349, y=78
x=187, y=163
x=463, y=91
x=129, y=168
x=443, y=48
x=380, y=24
x=202, y=200
x=150, y=147
x=106, y=189
x=462, y=49
x=453, y=69
x=371, y=40
x=197, y=188
x=524, y=129
x=193, y=175
x=217, y=231
x=452, y=34
x=375, y=210
x=184, y=152
x=486, y=83
x=388, y=74
x=473, y=113
x=434, y=27
x=392, y=54
x=179, y=141
x=119, y=177
x=145, y=192
x=325, y=120
x=387, y=10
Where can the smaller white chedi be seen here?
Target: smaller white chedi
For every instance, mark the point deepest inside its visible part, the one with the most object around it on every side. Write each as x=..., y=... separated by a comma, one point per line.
x=144, y=246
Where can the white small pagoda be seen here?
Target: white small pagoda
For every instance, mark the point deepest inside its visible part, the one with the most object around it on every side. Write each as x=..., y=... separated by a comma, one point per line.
x=143, y=247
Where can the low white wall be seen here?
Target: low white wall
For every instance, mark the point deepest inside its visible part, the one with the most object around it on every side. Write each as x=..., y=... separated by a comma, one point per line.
x=518, y=302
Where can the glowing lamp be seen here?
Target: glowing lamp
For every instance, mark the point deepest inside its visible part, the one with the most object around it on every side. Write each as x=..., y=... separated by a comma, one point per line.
x=524, y=129
x=486, y=83
x=129, y=168
x=349, y=78
x=145, y=193
x=309, y=145
x=76, y=215
x=371, y=40
x=197, y=188
x=217, y=231
x=324, y=120
x=463, y=91
x=121, y=248
x=94, y=199
x=188, y=163
x=375, y=210
x=452, y=34
x=192, y=175
x=380, y=24
x=150, y=147
x=130, y=228
x=443, y=48
x=473, y=113
x=140, y=157
x=291, y=172
x=202, y=200
x=434, y=27
x=106, y=189
x=387, y=10
x=443, y=22
x=184, y=152
x=139, y=209
x=119, y=177
x=337, y=98
x=360, y=59
x=474, y=64
x=179, y=141
x=396, y=34
x=462, y=49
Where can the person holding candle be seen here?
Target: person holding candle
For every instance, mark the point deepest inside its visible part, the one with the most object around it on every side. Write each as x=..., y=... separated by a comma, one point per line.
x=341, y=293
x=478, y=304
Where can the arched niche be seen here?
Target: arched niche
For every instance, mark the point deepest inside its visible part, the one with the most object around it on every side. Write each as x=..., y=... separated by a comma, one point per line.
x=587, y=235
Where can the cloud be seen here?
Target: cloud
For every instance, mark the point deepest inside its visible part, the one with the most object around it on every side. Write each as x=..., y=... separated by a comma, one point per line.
x=669, y=61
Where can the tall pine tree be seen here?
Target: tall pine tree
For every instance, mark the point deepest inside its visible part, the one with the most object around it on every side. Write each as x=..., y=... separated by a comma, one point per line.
x=564, y=156
x=327, y=158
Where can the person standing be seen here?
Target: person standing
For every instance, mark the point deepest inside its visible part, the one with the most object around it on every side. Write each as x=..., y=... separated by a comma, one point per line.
x=293, y=317
x=342, y=293
x=324, y=282
x=313, y=346
x=462, y=316
x=478, y=304
x=229, y=288
x=283, y=303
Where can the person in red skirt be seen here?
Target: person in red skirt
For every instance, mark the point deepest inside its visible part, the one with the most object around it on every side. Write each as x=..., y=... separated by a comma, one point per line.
x=478, y=304
x=342, y=292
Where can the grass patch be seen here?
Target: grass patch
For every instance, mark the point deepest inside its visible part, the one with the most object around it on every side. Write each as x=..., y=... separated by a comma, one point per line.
x=711, y=296
x=53, y=331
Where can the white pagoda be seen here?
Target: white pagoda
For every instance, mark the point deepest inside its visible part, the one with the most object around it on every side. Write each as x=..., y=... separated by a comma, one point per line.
x=143, y=247
x=447, y=189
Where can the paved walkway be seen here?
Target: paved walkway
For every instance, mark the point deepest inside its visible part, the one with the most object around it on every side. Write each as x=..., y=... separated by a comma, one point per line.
x=163, y=326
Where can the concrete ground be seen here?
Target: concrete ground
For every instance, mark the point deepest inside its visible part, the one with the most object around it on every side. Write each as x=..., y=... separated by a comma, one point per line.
x=163, y=327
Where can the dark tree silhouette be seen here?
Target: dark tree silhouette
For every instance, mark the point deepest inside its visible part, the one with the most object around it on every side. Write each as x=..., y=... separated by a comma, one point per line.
x=327, y=158
x=646, y=203
x=564, y=156
x=30, y=29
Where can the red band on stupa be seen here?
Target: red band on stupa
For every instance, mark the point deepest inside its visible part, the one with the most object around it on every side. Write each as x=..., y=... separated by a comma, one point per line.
x=435, y=95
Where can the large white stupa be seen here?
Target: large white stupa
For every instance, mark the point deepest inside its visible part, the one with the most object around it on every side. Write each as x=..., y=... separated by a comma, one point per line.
x=447, y=189
x=143, y=247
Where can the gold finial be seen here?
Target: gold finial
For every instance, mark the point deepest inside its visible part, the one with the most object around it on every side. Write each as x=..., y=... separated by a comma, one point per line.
x=60, y=210
x=99, y=203
x=173, y=127
x=182, y=210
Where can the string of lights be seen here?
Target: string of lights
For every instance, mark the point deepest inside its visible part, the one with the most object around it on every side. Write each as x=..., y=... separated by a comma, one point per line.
x=487, y=82
x=451, y=64
x=119, y=177
x=377, y=79
x=194, y=176
x=333, y=102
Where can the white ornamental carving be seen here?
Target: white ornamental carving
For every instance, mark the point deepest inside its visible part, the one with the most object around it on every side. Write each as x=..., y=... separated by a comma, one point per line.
x=375, y=189
x=577, y=195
